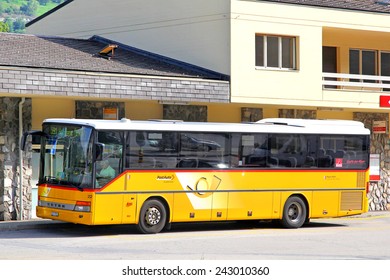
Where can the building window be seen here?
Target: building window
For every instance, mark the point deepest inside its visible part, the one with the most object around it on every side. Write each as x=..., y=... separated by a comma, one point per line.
x=385, y=64
x=363, y=62
x=385, y=67
x=275, y=52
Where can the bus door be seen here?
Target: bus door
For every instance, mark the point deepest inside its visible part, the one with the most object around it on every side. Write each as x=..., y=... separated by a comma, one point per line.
x=113, y=204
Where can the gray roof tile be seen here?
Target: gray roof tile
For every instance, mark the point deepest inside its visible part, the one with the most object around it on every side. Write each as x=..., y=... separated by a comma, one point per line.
x=24, y=50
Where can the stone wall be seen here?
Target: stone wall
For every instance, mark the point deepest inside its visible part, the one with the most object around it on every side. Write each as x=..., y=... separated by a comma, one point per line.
x=9, y=160
x=189, y=113
x=251, y=114
x=95, y=109
x=379, y=195
x=299, y=114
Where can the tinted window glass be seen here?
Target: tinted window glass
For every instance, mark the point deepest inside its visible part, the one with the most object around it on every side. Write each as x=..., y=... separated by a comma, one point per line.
x=110, y=163
x=272, y=51
x=287, y=53
x=343, y=151
x=288, y=150
x=259, y=51
x=369, y=62
x=151, y=149
x=254, y=150
x=204, y=150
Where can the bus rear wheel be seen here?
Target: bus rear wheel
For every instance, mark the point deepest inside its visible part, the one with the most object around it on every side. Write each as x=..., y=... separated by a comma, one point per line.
x=153, y=217
x=294, y=212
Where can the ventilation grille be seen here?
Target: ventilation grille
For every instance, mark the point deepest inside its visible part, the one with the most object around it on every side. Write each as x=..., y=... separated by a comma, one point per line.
x=361, y=180
x=351, y=201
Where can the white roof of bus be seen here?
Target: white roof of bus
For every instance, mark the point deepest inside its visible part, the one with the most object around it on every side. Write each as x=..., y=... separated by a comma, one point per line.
x=274, y=125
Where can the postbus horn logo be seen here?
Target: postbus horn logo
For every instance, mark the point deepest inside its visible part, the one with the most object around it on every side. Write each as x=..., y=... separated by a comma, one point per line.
x=202, y=187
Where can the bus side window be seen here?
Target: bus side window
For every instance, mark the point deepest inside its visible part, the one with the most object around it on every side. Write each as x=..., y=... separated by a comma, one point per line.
x=289, y=151
x=310, y=160
x=151, y=149
x=204, y=150
x=341, y=151
x=254, y=150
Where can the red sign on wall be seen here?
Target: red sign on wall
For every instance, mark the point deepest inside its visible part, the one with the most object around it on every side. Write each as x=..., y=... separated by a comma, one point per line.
x=384, y=101
x=379, y=127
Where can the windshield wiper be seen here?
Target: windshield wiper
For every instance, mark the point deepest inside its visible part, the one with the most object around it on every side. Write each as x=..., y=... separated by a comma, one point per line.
x=78, y=187
x=73, y=185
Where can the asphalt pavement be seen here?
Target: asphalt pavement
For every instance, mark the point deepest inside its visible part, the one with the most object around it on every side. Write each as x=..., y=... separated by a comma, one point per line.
x=44, y=223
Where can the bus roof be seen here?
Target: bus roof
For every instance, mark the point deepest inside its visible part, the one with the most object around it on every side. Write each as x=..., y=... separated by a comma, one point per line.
x=270, y=125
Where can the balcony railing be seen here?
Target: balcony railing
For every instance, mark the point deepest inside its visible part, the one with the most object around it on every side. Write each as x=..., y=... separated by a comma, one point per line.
x=355, y=82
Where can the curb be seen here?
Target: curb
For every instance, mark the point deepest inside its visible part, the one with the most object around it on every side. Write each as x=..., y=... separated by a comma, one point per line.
x=371, y=214
x=44, y=223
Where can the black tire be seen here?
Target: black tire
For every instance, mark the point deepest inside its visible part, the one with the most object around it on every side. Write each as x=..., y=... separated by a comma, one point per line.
x=294, y=212
x=153, y=217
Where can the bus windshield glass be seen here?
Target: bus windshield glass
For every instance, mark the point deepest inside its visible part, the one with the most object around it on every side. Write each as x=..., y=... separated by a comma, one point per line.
x=67, y=155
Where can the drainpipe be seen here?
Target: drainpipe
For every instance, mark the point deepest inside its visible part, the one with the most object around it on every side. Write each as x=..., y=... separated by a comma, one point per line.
x=21, y=159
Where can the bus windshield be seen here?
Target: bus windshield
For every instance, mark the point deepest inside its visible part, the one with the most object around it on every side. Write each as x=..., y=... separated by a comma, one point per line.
x=66, y=156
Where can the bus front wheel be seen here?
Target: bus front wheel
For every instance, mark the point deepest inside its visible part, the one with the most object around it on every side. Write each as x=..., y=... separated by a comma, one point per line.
x=294, y=212
x=152, y=217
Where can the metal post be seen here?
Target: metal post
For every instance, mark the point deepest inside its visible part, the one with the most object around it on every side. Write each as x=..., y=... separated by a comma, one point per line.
x=21, y=159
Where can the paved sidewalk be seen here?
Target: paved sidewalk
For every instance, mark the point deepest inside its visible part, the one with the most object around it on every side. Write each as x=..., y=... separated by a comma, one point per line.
x=43, y=223
x=371, y=214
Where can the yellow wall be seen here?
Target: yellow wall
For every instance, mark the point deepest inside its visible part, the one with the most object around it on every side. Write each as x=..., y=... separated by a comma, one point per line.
x=351, y=38
x=139, y=110
x=43, y=108
x=336, y=115
x=223, y=113
x=231, y=113
x=346, y=39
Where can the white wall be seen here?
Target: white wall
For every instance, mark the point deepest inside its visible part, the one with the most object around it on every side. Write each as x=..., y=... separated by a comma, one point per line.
x=301, y=87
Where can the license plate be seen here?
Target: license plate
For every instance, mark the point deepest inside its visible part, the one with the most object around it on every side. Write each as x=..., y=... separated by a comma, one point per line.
x=54, y=214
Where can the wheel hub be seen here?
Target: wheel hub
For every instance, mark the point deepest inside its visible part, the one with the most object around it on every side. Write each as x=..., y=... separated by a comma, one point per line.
x=153, y=216
x=294, y=212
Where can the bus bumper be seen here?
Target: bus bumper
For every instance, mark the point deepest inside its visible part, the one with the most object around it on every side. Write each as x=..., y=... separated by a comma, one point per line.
x=64, y=215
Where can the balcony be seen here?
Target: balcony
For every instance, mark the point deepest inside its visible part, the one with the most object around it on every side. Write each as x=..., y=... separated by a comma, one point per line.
x=351, y=82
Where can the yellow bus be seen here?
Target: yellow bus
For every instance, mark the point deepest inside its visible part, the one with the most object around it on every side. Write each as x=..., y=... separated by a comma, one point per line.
x=158, y=172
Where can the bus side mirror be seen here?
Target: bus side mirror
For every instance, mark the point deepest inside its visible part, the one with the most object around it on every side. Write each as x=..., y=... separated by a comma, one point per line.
x=37, y=134
x=99, y=148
